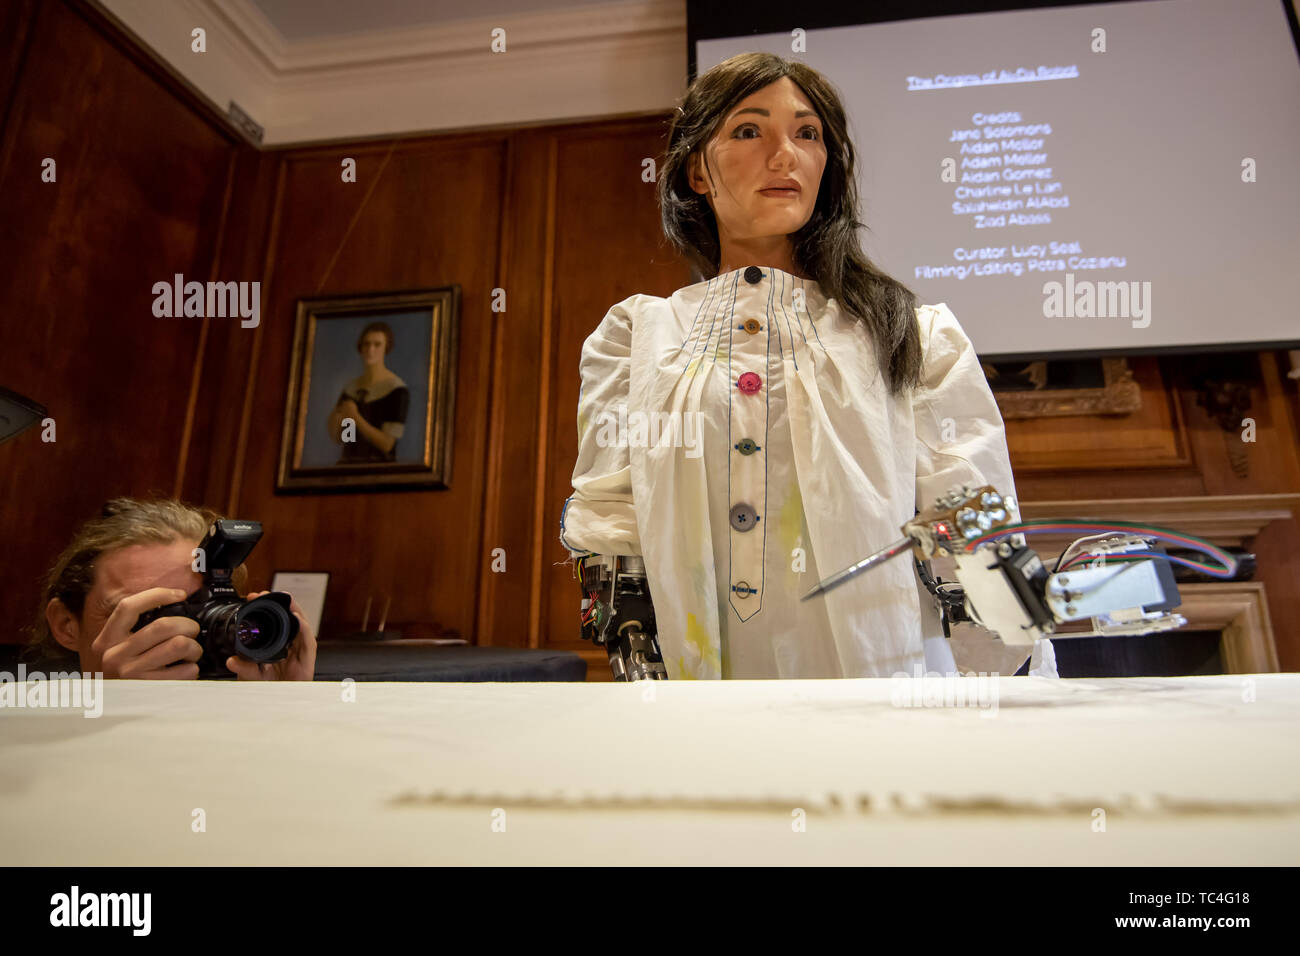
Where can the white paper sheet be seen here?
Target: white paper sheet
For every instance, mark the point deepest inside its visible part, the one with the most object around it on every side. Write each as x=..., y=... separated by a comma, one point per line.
x=1185, y=770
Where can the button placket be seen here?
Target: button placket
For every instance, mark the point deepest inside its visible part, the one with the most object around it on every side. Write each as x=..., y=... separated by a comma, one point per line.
x=747, y=458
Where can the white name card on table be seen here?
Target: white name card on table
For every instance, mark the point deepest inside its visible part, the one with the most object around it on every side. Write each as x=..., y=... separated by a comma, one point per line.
x=308, y=589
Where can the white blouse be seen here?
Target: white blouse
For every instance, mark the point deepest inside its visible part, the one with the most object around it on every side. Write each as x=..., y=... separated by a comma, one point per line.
x=740, y=437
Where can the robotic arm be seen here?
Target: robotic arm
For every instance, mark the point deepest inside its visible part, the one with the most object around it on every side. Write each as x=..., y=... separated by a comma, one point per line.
x=618, y=615
x=1127, y=585
x=1003, y=585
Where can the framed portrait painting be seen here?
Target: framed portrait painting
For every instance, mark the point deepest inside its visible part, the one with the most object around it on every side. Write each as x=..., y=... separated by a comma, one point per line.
x=372, y=387
x=1058, y=387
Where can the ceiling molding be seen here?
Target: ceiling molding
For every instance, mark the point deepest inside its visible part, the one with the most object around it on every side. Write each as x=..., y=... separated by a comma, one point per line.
x=565, y=64
x=560, y=31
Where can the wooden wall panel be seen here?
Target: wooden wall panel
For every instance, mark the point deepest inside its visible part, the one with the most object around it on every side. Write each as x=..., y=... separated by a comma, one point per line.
x=1169, y=419
x=507, y=609
x=16, y=20
x=1154, y=436
x=422, y=213
x=609, y=245
x=530, y=213
x=141, y=191
x=218, y=386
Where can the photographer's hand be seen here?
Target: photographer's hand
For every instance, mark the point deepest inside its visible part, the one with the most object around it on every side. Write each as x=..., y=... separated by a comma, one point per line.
x=164, y=649
x=299, y=665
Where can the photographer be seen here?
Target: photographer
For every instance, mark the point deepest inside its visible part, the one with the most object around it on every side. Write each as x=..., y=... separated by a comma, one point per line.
x=136, y=556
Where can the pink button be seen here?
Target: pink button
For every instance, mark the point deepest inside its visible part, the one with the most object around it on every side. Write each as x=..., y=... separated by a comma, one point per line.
x=749, y=383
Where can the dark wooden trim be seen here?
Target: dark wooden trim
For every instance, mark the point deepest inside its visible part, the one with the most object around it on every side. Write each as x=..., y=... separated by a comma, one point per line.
x=632, y=120
x=17, y=25
x=7, y=142
x=538, y=605
x=487, y=593
x=246, y=412
x=200, y=352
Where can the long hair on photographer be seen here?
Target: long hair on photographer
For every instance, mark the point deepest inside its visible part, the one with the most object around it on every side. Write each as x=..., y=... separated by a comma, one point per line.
x=123, y=522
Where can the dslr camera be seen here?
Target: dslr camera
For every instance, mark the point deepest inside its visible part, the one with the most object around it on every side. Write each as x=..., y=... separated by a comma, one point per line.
x=260, y=630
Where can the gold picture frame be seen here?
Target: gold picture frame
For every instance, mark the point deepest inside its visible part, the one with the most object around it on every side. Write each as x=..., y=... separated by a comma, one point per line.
x=408, y=444
x=1119, y=394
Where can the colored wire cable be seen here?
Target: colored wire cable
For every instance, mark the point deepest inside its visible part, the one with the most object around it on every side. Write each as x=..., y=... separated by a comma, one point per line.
x=1228, y=563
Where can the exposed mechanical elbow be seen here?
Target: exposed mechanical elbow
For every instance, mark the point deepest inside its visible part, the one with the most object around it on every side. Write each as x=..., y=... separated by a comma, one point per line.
x=618, y=614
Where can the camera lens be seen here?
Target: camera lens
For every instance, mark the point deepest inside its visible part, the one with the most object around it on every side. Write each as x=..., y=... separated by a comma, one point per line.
x=258, y=630
x=255, y=631
x=262, y=629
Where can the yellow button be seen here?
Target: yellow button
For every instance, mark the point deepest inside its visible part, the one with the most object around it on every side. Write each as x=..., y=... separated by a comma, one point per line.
x=752, y=326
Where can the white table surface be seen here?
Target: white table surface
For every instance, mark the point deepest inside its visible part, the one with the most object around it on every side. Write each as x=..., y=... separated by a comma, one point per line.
x=1186, y=770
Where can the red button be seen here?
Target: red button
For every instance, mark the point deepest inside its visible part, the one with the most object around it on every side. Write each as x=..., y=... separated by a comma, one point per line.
x=749, y=383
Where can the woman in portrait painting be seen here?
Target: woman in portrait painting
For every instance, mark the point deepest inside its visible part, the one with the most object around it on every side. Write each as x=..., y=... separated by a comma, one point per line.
x=376, y=401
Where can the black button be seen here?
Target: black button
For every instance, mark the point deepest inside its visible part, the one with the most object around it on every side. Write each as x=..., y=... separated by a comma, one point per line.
x=747, y=446
x=753, y=274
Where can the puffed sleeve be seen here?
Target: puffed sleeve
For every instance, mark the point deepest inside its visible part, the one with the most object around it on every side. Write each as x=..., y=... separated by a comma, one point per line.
x=599, y=517
x=960, y=437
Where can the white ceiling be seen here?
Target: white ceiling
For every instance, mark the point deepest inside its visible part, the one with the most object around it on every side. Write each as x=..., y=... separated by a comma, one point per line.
x=303, y=19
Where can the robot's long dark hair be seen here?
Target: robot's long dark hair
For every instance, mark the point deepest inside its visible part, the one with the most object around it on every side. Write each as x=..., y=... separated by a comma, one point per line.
x=827, y=247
